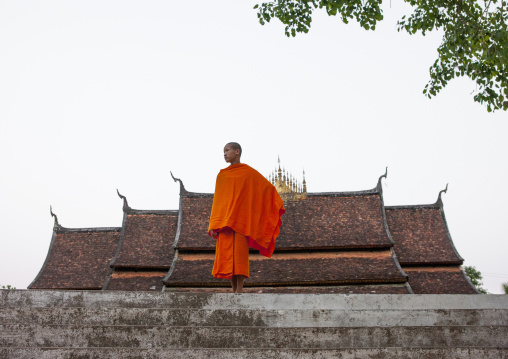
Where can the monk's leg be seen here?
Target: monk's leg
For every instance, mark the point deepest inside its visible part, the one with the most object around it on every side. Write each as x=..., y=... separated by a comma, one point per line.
x=239, y=283
x=233, y=283
x=224, y=256
x=232, y=258
x=241, y=262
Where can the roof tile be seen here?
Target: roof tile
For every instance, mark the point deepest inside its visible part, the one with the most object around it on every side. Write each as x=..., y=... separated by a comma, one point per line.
x=421, y=236
x=136, y=281
x=344, y=289
x=285, y=269
x=77, y=260
x=439, y=281
x=318, y=222
x=146, y=241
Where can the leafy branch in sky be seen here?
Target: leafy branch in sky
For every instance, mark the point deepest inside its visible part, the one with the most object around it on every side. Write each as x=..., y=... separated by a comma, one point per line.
x=475, y=36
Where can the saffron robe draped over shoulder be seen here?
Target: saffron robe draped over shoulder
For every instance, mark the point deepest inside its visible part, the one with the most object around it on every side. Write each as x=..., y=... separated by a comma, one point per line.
x=249, y=204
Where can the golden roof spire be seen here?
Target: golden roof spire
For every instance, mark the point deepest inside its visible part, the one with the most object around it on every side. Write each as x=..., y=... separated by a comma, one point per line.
x=287, y=184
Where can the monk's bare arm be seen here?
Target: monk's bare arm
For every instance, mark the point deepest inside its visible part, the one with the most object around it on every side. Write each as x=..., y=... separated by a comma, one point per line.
x=213, y=233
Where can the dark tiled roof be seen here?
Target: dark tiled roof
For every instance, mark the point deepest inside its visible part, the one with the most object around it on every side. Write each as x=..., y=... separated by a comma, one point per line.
x=329, y=243
x=345, y=289
x=194, y=226
x=136, y=281
x=421, y=235
x=147, y=239
x=327, y=220
x=337, y=221
x=445, y=280
x=319, y=268
x=78, y=259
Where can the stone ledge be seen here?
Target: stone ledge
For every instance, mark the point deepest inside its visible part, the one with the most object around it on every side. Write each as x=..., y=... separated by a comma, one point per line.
x=254, y=317
x=265, y=301
x=114, y=353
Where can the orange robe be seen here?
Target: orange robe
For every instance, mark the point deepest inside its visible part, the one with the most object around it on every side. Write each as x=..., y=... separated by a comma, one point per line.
x=248, y=204
x=231, y=255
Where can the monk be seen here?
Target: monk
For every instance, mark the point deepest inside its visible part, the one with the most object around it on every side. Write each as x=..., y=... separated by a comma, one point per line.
x=246, y=214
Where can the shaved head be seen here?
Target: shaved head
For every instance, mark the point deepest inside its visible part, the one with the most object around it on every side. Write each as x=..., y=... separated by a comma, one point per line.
x=235, y=146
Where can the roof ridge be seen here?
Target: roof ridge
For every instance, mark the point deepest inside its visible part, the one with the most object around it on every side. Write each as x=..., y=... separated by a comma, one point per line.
x=375, y=190
x=414, y=206
x=88, y=229
x=153, y=211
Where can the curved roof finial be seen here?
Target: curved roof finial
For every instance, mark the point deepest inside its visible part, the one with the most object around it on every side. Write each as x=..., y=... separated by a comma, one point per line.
x=125, y=204
x=439, y=201
x=381, y=177
x=56, y=225
x=182, y=187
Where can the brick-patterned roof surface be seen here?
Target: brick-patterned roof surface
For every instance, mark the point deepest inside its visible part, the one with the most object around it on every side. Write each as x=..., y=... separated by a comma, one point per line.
x=421, y=235
x=318, y=268
x=322, y=221
x=329, y=243
x=136, y=281
x=147, y=240
x=446, y=280
x=337, y=221
x=194, y=228
x=78, y=259
x=344, y=289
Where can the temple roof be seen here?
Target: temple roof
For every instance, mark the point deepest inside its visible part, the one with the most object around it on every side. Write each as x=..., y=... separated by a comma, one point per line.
x=332, y=242
x=136, y=280
x=294, y=268
x=421, y=235
x=320, y=221
x=334, y=220
x=193, y=229
x=440, y=280
x=146, y=240
x=425, y=249
x=397, y=288
x=147, y=236
x=78, y=258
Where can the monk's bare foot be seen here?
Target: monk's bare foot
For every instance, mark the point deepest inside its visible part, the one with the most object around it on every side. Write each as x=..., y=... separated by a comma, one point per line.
x=233, y=284
x=239, y=283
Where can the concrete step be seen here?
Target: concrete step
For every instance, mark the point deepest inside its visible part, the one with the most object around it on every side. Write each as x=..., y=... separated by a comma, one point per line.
x=253, y=317
x=75, y=336
x=165, y=300
x=121, y=353
x=102, y=324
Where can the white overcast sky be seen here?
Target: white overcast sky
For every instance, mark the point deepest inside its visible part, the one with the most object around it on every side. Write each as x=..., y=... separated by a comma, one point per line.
x=99, y=95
